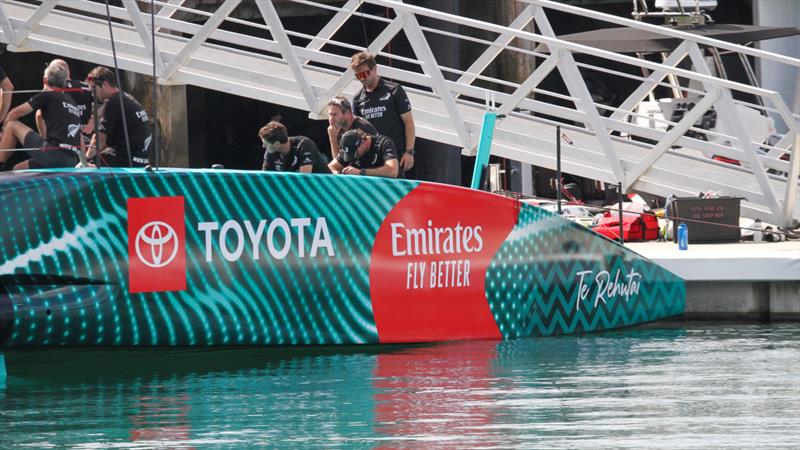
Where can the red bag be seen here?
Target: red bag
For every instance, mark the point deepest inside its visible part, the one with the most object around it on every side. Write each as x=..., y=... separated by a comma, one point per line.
x=635, y=227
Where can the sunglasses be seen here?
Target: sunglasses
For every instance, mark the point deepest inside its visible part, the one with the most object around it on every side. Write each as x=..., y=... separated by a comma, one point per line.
x=363, y=74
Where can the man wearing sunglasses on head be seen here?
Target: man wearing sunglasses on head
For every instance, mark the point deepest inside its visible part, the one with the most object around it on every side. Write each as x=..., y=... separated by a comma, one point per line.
x=386, y=106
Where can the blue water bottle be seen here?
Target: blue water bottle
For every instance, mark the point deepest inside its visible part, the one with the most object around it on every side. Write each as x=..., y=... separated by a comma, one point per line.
x=683, y=236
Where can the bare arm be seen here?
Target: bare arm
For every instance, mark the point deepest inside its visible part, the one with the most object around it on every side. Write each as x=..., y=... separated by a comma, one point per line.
x=41, y=127
x=90, y=151
x=388, y=170
x=407, y=160
x=20, y=111
x=333, y=134
x=335, y=166
x=411, y=132
x=308, y=168
x=101, y=142
x=5, y=103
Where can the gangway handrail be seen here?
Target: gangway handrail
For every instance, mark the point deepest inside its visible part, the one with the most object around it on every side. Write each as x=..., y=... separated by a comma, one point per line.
x=666, y=31
x=579, y=48
x=303, y=74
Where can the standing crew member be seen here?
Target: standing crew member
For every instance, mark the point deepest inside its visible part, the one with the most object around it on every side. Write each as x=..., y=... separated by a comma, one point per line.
x=386, y=106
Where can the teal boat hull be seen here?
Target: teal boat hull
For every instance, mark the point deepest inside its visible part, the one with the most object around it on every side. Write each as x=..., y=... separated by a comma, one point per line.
x=117, y=257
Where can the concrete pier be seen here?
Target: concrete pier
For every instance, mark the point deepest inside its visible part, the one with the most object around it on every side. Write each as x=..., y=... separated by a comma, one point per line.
x=745, y=280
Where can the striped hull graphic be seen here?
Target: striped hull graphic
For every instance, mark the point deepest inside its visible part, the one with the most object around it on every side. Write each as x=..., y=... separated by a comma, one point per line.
x=196, y=258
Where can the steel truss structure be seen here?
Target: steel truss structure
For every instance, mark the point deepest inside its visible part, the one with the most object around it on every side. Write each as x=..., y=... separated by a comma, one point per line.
x=265, y=59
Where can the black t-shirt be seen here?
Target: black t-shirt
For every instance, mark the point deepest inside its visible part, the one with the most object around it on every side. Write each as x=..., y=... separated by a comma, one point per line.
x=80, y=93
x=382, y=108
x=3, y=75
x=61, y=116
x=302, y=151
x=381, y=150
x=138, y=129
x=359, y=123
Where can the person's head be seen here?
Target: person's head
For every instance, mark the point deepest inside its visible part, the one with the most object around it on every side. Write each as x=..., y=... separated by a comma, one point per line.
x=340, y=113
x=55, y=76
x=354, y=143
x=366, y=71
x=103, y=82
x=274, y=137
x=61, y=63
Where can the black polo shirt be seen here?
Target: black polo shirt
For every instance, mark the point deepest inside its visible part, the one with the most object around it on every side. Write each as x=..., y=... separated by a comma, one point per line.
x=381, y=150
x=138, y=129
x=82, y=95
x=61, y=116
x=382, y=108
x=302, y=152
x=359, y=123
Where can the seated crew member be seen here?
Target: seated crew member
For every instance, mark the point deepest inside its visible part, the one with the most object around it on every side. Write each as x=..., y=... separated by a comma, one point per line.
x=60, y=147
x=284, y=153
x=80, y=93
x=341, y=119
x=111, y=146
x=365, y=154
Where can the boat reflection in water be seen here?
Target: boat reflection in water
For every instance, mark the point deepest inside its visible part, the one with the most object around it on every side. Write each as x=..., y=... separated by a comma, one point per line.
x=613, y=389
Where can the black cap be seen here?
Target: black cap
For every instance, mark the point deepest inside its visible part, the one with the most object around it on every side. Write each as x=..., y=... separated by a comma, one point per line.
x=349, y=144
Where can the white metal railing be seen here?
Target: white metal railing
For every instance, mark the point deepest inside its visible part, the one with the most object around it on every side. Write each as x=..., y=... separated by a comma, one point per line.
x=614, y=142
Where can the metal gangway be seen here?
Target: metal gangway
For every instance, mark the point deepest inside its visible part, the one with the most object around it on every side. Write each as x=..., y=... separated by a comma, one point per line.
x=267, y=60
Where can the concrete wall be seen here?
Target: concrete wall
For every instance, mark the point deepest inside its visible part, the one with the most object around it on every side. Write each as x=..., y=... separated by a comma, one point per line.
x=762, y=300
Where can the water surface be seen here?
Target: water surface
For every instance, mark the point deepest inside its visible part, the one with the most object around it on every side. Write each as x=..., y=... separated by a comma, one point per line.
x=666, y=386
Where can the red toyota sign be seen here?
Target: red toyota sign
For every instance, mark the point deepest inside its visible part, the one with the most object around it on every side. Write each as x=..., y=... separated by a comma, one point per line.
x=156, y=244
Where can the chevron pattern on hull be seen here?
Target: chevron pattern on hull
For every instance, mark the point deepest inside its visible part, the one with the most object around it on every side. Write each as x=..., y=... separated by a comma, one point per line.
x=581, y=281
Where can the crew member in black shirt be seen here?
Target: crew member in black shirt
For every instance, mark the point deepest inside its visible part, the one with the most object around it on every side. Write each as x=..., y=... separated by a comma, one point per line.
x=386, y=106
x=111, y=145
x=341, y=119
x=82, y=95
x=60, y=147
x=365, y=154
x=79, y=91
x=289, y=154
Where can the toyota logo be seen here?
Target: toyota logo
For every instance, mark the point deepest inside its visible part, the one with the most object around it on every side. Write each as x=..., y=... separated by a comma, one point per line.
x=158, y=237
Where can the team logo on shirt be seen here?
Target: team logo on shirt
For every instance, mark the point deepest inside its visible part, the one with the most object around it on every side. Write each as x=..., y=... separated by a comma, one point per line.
x=72, y=130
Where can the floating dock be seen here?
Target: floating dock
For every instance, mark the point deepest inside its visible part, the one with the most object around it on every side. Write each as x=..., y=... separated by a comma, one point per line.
x=744, y=280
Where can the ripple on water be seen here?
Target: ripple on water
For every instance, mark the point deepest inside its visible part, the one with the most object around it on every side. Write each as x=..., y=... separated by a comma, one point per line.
x=699, y=386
